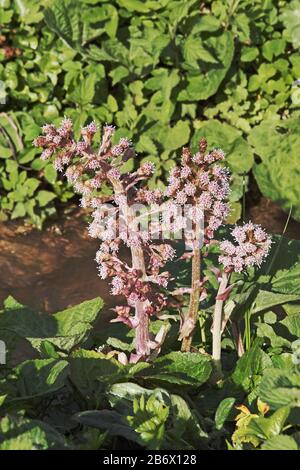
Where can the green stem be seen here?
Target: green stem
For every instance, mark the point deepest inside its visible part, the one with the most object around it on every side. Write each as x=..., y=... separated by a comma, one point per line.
x=247, y=334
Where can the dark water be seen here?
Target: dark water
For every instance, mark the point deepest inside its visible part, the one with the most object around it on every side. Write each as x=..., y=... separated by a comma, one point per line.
x=52, y=269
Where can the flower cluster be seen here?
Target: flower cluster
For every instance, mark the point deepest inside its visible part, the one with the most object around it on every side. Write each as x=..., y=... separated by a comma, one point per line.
x=89, y=171
x=197, y=192
x=203, y=183
x=251, y=248
x=132, y=283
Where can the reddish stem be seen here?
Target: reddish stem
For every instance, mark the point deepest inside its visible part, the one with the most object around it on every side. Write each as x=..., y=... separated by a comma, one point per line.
x=191, y=319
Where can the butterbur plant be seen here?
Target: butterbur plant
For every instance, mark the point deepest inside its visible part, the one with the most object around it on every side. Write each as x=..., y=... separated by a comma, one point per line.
x=91, y=171
x=250, y=247
x=203, y=184
x=199, y=186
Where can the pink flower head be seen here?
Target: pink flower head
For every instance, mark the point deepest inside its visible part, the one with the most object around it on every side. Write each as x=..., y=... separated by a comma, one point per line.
x=117, y=285
x=92, y=127
x=220, y=172
x=190, y=189
x=227, y=247
x=114, y=173
x=205, y=200
x=46, y=154
x=58, y=164
x=95, y=182
x=125, y=143
x=108, y=131
x=209, y=158
x=185, y=172
x=204, y=178
x=181, y=197
x=49, y=129
x=147, y=169
x=57, y=140
x=117, y=150
x=198, y=158
x=175, y=172
x=81, y=146
x=250, y=249
x=239, y=234
x=218, y=154
x=133, y=299
x=103, y=271
x=66, y=127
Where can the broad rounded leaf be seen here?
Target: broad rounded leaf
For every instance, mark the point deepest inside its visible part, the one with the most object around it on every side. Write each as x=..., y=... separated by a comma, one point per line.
x=206, y=81
x=180, y=369
x=277, y=144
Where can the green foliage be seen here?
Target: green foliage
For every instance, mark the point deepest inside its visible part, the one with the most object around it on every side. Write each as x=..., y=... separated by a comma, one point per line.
x=67, y=392
x=278, y=174
x=63, y=330
x=280, y=388
x=157, y=70
x=18, y=433
x=223, y=411
x=32, y=379
x=178, y=368
x=155, y=418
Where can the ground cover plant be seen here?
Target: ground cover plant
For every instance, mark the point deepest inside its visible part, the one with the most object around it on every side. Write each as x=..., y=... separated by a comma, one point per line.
x=154, y=117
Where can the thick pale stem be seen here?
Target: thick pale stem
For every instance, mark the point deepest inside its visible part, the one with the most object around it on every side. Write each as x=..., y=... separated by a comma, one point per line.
x=192, y=315
x=217, y=324
x=142, y=340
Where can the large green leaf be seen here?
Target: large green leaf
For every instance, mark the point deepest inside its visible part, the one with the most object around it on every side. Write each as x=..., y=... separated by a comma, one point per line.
x=250, y=366
x=93, y=373
x=204, y=82
x=287, y=281
x=18, y=433
x=34, y=378
x=291, y=20
x=64, y=329
x=175, y=137
x=84, y=91
x=266, y=299
x=292, y=323
x=280, y=388
x=110, y=421
x=261, y=428
x=121, y=395
x=10, y=139
x=140, y=415
x=72, y=22
x=280, y=442
x=180, y=369
x=277, y=143
x=194, y=51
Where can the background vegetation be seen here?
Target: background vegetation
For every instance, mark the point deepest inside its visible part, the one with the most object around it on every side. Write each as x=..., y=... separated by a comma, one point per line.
x=62, y=387
x=163, y=72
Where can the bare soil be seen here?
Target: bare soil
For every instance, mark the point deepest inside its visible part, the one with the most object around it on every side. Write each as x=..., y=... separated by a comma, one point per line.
x=52, y=269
